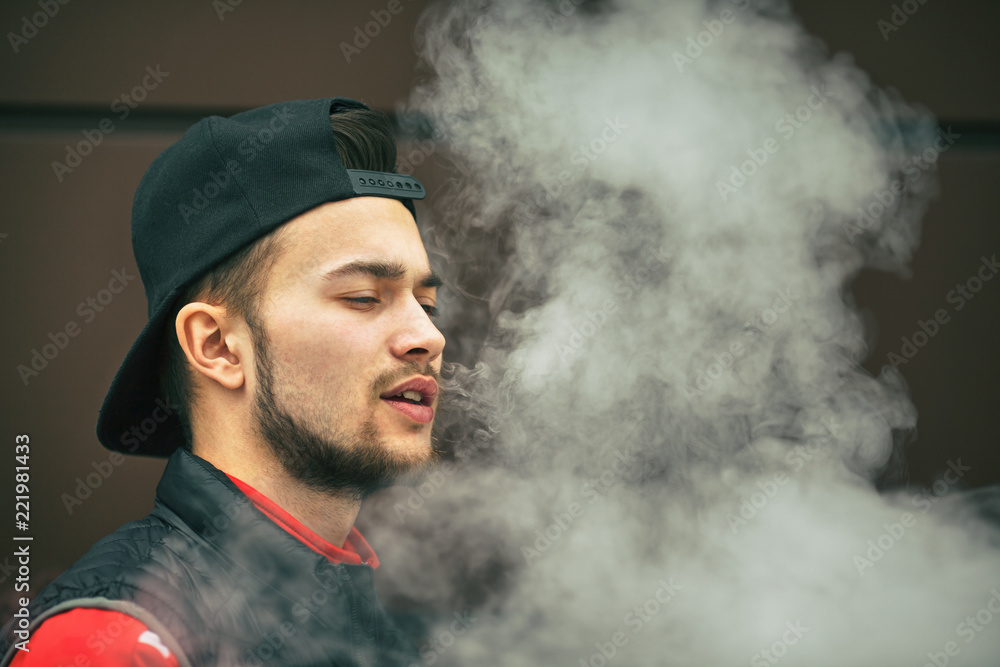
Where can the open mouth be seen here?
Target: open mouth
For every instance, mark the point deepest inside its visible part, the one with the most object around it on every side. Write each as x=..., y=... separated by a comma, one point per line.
x=413, y=398
x=410, y=396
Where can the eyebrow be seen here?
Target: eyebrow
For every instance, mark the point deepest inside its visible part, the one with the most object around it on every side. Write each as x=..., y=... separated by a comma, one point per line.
x=382, y=270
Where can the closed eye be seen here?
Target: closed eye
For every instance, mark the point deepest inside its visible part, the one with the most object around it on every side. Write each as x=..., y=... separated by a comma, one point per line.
x=432, y=311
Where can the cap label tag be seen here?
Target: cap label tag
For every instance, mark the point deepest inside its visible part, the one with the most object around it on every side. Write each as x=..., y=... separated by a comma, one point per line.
x=381, y=184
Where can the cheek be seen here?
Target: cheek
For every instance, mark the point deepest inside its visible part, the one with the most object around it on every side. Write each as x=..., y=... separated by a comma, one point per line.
x=313, y=351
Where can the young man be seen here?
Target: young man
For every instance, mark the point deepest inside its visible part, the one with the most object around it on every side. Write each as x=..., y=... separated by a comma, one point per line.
x=289, y=368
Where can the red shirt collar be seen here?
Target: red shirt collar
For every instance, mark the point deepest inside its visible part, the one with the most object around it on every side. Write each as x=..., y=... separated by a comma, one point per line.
x=356, y=551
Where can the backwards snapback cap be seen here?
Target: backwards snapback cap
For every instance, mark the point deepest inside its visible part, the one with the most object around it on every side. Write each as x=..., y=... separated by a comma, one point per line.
x=223, y=185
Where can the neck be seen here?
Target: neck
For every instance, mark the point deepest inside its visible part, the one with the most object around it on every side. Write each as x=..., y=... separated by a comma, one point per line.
x=330, y=516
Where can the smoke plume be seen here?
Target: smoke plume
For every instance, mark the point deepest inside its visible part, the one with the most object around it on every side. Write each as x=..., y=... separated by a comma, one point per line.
x=664, y=449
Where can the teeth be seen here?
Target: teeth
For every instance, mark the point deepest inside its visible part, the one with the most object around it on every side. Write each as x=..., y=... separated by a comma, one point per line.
x=413, y=395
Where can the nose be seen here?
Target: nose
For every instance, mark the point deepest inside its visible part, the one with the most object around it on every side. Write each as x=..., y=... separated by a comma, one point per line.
x=417, y=338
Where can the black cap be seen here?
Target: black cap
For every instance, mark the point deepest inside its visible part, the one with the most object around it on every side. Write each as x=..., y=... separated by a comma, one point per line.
x=224, y=184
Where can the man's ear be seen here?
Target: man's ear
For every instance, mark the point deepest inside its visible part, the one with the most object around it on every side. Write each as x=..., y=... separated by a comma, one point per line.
x=216, y=345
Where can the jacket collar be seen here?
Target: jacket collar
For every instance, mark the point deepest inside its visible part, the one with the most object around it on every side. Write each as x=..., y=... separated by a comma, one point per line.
x=355, y=551
x=215, y=508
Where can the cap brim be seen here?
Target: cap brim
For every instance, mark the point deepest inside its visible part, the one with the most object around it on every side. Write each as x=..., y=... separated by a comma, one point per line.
x=136, y=418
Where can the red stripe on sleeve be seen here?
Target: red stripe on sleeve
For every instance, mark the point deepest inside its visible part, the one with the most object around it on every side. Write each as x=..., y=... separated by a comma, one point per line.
x=97, y=638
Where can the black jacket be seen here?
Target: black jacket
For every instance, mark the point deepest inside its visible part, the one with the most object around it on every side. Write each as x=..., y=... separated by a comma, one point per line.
x=222, y=584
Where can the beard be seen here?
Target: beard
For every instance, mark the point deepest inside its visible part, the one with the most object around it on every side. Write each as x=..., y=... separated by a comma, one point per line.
x=353, y=464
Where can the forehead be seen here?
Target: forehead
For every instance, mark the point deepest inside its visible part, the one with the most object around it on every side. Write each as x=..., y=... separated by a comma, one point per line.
x=359, y=228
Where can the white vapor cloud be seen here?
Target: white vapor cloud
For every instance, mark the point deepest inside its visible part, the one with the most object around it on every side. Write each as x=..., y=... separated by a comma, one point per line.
x=668, y=432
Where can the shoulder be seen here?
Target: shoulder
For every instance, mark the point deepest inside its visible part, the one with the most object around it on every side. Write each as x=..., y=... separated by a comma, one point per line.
x=96, y=637
x=106, y=569
x=135, y=565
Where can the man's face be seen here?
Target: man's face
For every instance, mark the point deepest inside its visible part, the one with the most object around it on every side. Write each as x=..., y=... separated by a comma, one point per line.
x=344, y=327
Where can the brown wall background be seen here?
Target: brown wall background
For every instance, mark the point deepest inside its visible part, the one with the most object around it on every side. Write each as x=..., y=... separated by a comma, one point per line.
x=61, y=241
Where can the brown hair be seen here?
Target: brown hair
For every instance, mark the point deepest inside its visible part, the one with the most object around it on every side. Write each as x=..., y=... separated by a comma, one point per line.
x=364, y=140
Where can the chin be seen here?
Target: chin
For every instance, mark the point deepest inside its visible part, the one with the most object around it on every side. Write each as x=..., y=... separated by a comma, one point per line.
x=415, y=449
x=418, y=447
